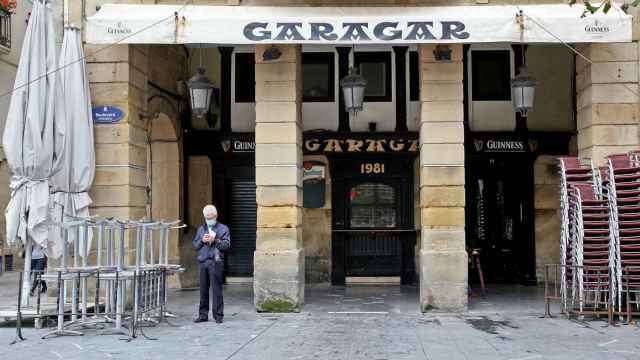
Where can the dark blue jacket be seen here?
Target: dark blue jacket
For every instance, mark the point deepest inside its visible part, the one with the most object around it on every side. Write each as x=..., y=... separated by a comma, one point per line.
x=216, y=250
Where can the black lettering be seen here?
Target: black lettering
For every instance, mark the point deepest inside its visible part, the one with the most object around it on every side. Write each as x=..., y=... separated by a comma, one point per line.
x=355, y=31
x=289, y=31
x=378, y=31
x=250, y=31
x=420, y=31
x=455, y=29
x=322, y=30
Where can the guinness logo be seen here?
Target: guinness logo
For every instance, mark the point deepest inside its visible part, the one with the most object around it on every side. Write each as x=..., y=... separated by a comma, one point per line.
x=597, y=28
x=533, y=145
x=478, y=144
x=119, y=29
x=226, y=145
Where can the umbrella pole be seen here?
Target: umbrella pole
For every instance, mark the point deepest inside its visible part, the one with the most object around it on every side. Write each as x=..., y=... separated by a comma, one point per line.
x=85, y=253
x=26, y=280
x=76, y=264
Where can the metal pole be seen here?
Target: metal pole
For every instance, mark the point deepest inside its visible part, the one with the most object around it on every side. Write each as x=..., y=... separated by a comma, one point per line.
x=85, y=254
x=19, y=336
x=26, y=280
x=74, y=290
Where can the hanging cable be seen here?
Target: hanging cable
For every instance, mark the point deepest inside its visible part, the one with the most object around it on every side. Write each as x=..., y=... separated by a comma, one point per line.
x=175, y=13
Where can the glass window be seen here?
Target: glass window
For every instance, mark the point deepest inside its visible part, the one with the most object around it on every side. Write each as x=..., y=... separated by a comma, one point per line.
x=414, y=76
x=245, y=78
x=373, y=205
x=491, y=75
x=375, y=67
x=318, y=78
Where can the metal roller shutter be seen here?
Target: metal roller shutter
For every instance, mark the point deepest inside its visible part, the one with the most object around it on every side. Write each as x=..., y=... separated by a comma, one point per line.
x=242, y=227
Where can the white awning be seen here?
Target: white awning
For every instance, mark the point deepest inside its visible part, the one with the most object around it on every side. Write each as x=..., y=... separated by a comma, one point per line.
x=177, y=24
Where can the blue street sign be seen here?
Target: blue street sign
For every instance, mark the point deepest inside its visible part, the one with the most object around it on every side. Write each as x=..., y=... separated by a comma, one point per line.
x=107, y=114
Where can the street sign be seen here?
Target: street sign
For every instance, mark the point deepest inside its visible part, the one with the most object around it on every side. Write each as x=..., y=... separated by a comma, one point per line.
x=107, y=114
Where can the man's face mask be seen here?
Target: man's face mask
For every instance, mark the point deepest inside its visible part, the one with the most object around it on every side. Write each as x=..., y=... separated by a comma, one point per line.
x=211, y=222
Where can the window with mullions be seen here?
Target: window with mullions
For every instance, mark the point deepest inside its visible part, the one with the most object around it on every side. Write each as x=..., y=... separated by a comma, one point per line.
x=245, y=73
x=491, y=75
x=318, y=77
x=375, y=67
x=373, y=205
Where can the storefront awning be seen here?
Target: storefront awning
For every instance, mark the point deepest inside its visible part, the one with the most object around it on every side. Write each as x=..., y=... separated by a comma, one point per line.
x=178, y=24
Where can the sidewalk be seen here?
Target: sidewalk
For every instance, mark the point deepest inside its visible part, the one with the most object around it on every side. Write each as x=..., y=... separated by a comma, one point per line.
x=375, y=322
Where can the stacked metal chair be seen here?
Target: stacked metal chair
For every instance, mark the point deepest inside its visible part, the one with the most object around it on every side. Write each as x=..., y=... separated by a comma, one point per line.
x=590, y=247
x=625, y=210
x=572, y=172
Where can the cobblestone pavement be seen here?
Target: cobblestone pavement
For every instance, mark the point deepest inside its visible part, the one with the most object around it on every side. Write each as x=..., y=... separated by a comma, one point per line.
x=373, y=323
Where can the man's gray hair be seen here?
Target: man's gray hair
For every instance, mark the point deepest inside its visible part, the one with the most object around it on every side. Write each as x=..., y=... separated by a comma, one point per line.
x=209, y=210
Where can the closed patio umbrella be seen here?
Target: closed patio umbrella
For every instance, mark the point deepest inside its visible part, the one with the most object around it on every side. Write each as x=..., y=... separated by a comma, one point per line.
x=31, y=135
x=70, y=185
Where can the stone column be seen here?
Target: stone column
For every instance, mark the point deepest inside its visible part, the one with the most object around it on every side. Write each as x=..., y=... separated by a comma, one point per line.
x=118, y=77
x=607, y=103
x=443, y=258
x=278, y=278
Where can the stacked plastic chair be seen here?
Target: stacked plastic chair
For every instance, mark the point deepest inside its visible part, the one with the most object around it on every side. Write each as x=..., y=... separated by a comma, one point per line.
x=624, y=170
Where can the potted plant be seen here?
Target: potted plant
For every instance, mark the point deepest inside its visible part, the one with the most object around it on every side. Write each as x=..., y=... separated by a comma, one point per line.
x=8, y=6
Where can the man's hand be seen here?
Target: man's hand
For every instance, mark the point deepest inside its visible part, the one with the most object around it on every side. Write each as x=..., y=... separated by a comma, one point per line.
x=207, y=239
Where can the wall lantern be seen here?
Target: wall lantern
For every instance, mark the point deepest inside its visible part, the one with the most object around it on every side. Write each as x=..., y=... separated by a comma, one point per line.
x=442, y=53
x=523, y=90
x=271, y=54
x=353, y=86
x=200, y=91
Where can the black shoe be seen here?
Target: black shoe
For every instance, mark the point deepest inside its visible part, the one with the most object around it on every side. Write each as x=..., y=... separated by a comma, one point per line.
x=219, y=321
x=199, y=320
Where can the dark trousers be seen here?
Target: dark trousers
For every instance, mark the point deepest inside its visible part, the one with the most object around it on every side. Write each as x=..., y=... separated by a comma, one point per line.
x=37, y=268
x=211, y=277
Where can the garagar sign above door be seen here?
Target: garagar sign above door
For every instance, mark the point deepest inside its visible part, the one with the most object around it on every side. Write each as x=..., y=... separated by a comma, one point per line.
x=193, y=24
x=335, y=143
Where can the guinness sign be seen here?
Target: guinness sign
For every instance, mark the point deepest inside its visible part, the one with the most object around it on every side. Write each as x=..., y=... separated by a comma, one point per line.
x=505, y=145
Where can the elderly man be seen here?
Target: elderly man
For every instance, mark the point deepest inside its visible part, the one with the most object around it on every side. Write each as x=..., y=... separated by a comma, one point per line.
x=211, y=241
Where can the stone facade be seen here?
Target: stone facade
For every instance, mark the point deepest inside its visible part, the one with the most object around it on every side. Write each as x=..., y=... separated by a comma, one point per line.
x=134, y=159
x=316, y=233
x=279, y=277
x=443, y=258
x=547, y=212
x=607, y=100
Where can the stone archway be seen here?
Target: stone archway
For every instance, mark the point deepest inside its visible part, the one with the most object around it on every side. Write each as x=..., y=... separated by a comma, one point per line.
x=165, y=179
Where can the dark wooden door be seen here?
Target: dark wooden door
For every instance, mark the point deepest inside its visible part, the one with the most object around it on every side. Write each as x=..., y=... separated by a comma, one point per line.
x=373, y=232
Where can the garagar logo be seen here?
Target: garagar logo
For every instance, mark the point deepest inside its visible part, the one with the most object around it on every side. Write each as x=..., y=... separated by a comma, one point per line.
x=356, y=31
x=597, y=28
x=119, y=30
x=226, y=145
